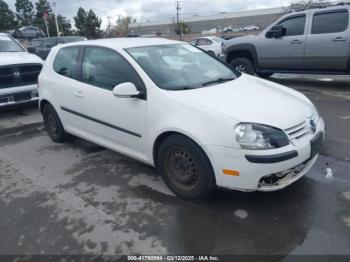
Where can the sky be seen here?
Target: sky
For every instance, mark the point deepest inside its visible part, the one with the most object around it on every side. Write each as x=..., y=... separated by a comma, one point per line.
x=153, y=10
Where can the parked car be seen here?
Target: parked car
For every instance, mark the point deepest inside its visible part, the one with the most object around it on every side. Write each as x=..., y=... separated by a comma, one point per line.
x=313, y=41
x=19, y=72
x=202, y=124
x=251, y=28
x=210, y=44
x=28, y=32
x=42, y=46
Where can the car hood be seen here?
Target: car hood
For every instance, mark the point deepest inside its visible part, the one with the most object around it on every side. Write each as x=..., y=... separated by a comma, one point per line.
x=12, y=58
x=250, y=99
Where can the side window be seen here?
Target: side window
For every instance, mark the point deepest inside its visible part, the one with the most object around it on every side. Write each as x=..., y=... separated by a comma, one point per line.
x=208, y=42
x=193, y=42
x=105, y=68
x=202, y=41
x=294, y=25
x=51, y=42
x=66, y=61
x=333, y=22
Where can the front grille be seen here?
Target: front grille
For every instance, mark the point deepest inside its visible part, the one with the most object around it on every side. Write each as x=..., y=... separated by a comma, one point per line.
x=19, y=75
x=300, y=130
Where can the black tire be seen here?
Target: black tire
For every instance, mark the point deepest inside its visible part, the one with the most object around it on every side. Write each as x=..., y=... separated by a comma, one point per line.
x=54, y=125
x=185, y=168
x=264, y=75
x=244, y=65
x=211, y=53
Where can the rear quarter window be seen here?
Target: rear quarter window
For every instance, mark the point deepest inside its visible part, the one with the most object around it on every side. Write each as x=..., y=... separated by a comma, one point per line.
x=330, y=22
x=66, y=61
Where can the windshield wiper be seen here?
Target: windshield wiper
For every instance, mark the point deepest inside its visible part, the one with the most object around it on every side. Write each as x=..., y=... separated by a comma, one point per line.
x=218, y=81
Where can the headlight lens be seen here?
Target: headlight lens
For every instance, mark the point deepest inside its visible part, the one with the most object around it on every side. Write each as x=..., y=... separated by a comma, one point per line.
x=259, y=137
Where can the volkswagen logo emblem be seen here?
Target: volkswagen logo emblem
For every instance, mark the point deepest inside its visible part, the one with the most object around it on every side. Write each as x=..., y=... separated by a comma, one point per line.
x=313, y=126
x=17, y=74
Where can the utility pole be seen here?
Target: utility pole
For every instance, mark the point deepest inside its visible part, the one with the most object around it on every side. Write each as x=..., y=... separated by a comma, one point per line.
x=109, y=26
x=58, y=31
x=178, y=8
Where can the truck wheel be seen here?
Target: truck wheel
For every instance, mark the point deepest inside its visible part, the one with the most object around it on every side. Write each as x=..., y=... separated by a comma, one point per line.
x=243, y=65
x=54, y=125
x=264, y=75
x=185, y=168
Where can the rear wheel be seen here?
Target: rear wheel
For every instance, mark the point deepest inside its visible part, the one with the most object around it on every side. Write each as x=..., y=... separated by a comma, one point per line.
x=53, y=124
x=243, y=65
x=185, y=168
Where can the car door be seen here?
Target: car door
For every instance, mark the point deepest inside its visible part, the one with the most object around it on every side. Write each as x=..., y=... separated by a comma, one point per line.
x=286, y=52
x=327, y=44
x=65, y=87
x=119, y=123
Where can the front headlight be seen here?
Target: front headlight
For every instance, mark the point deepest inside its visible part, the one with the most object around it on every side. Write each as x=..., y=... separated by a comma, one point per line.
x=259, y=137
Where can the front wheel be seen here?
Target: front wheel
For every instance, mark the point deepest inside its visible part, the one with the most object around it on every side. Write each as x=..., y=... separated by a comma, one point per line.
x=185, y=168
x=53, y=124
x=243, y=65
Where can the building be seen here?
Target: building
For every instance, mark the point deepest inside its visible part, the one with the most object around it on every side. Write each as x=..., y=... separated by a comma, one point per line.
x=260, y=18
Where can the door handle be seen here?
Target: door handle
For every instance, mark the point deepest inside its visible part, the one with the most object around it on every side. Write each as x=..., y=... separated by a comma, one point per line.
x=296, y=42
x=339, y=39
x=79, y=94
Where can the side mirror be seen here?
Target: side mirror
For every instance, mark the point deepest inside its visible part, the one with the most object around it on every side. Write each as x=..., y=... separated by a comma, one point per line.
x=127, y=90
x=276, y=31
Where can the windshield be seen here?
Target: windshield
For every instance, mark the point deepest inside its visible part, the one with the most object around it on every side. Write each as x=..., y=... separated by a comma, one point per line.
x=9, y=45
x=181, y=66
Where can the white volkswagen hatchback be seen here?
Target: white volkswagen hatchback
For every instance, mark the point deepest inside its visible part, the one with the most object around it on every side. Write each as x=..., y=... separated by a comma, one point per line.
x=171, y=105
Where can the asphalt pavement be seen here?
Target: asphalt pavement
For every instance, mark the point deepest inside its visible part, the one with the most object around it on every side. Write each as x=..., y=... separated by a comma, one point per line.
x=79, y=198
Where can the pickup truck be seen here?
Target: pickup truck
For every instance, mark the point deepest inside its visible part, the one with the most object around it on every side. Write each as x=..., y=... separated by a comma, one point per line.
x=19, y=72
x=315, y=41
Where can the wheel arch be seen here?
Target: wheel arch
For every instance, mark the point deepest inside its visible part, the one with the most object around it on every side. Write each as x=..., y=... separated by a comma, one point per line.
x=42, y=104
x=242, y=50
x=164, y=135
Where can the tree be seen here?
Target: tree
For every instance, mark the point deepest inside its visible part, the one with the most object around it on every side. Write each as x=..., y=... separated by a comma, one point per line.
x=182, y=28
x=301, y=5
x=80, y=21
x=123, y=25
x=42, y=7
x=7, y=17
x=88, y=24
x=64, y=25
x=24, y=12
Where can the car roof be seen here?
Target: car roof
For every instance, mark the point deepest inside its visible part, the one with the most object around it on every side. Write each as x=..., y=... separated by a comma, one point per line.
x=127, y=42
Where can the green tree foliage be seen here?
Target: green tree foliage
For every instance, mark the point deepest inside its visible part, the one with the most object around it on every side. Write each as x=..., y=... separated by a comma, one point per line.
x=88, y=24
x=24, y=12
x=7, y=17
x=64, y=25
x=43, y=6
x=182, y=28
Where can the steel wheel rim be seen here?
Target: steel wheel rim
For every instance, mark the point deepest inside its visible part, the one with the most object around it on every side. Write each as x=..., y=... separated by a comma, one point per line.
x=182, y=168
x=241, y=68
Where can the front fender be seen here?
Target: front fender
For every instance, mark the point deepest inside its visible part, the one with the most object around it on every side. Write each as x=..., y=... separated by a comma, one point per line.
x=242, y=48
